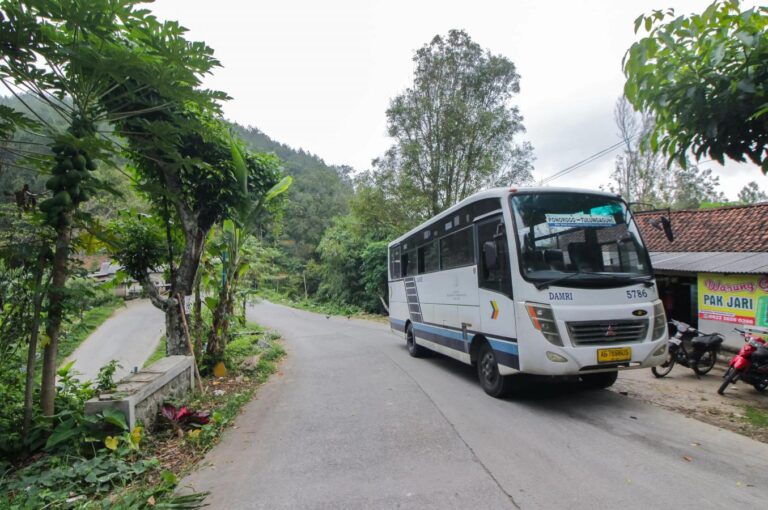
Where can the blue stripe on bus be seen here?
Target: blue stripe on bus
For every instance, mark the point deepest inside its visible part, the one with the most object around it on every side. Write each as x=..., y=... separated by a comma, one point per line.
x=397, y=324
x=505, y=351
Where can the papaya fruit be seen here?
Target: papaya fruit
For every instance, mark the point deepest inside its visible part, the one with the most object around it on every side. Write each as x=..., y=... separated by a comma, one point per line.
x=46, y=205
x=54, y=183
x=91, y=164
x=79, y=162
x=62, y=199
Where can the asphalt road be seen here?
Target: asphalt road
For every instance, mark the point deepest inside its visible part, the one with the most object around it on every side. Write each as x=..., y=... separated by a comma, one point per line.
x=130, y=336
x=353, y=422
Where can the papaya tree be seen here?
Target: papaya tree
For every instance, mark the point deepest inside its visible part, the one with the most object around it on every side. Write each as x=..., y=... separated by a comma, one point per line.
x=65, y=54
x=84, y=59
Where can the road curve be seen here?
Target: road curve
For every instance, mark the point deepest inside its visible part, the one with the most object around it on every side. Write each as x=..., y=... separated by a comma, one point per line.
x=130, y=336
x=353, y=422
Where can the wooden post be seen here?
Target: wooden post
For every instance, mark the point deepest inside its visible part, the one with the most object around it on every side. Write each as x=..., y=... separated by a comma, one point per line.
x=189, y=341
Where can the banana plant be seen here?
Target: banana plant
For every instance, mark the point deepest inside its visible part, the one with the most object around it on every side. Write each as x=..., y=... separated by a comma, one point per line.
x=229, y=246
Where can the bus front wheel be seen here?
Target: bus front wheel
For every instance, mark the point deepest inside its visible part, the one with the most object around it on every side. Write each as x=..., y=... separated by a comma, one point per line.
x=494, y=384
x=600, y=380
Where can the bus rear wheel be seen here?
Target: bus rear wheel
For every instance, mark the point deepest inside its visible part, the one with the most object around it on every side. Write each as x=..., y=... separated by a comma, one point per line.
x=493, y=383
x=414, y=349
x=599, y=380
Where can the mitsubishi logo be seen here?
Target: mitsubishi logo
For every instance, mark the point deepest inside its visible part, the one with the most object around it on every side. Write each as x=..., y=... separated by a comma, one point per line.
x=610, y=331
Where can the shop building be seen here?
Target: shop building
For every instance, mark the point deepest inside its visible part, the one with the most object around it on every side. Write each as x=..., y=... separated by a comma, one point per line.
x=714, y=275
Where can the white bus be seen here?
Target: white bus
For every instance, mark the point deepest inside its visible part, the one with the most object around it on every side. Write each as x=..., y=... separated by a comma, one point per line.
x=548, y=281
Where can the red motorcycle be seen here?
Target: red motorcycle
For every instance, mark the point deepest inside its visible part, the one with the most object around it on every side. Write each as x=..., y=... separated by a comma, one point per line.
x=750, y=364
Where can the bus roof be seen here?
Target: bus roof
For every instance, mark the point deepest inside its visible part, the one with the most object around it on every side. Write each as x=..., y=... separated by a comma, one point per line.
x=501, y=193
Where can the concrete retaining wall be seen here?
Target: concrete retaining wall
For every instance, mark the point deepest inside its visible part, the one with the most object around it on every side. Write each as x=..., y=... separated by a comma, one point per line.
x=140, y=396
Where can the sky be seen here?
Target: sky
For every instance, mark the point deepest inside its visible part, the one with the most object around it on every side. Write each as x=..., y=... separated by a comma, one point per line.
x=319, y=75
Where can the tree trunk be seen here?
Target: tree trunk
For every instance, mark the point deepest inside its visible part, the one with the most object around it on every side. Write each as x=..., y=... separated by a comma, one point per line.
x=55, y=315
x=176, y=340
x=29, y=386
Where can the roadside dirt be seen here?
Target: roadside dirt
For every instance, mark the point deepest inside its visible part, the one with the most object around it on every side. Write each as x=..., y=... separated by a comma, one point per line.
x=682, y=391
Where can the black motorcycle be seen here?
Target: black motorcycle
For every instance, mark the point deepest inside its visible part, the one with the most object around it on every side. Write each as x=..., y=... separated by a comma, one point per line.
x=690, y=348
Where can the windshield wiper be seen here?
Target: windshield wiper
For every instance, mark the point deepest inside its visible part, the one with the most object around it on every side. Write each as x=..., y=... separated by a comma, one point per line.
x=544, y=285
x=646, y=280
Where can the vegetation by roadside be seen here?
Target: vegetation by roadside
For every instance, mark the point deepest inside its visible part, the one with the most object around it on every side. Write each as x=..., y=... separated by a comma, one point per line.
x=158, y=354
x=328, y=308
x=97, y=462
x=757, y=417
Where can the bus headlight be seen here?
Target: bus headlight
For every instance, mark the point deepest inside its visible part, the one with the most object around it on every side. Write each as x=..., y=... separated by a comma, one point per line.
x=544, y=320
x=659, y=321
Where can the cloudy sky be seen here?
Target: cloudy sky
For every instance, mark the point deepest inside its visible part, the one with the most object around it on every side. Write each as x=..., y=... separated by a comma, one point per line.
x=320, y=74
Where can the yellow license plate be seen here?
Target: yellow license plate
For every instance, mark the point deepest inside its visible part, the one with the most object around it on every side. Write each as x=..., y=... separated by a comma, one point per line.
x=615, y=354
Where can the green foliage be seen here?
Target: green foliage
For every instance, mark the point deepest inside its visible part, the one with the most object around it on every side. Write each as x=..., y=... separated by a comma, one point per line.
x=137, y=242
x=454, y=127
x=319, y=193
x=705, y=78
x=104, y=379
x=757, y=417
x=157, y=355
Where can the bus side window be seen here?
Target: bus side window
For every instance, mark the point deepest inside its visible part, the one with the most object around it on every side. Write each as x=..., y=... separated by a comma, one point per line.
x=394, y=260
x=497, y=278
x=408, y=263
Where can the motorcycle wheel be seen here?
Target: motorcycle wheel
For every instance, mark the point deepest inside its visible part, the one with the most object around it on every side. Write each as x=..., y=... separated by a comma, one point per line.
x=730, y=376
x=761, y=384
x=665, y=367
x=705, y=363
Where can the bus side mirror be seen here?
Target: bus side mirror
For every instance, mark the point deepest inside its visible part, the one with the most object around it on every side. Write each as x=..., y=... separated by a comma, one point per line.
x=490, y=255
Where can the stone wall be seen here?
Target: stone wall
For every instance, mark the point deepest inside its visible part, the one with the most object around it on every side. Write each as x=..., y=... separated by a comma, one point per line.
x=140, y=395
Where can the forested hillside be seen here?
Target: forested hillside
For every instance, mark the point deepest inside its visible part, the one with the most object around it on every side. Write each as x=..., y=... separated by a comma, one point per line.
x=320, y=192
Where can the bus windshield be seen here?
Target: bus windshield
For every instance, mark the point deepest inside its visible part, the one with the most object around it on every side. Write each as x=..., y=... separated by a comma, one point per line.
x=578, y=239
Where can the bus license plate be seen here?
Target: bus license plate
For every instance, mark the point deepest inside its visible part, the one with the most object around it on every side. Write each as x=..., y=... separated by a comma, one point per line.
x=616, y=354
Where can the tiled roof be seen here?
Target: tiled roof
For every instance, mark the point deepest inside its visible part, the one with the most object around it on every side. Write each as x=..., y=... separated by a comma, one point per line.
x=727, y=229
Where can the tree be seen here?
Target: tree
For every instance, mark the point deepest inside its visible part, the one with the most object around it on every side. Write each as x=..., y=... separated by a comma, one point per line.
x=454, y=127
x=692, y=187
x=640, y=175
x=705, y=79
x=245, y=218
x=67, y=55
x=751, y=194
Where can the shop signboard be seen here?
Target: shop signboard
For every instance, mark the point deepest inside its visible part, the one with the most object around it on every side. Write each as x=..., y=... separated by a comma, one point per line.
x=738, y=299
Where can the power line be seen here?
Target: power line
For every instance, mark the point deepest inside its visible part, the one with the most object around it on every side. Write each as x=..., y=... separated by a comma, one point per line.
x=585, y=161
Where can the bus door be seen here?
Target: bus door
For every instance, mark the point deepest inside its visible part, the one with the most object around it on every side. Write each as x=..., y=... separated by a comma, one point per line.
x=494, y=281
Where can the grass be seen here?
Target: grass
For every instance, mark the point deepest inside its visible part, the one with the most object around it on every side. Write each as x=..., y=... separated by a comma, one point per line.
x=76, y=333
x=311, y=305
x=756, y=416
x=157, y=355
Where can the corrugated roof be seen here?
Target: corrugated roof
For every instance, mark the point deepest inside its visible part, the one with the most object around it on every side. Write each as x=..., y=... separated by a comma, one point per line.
x=726, y=229
x=711, y=262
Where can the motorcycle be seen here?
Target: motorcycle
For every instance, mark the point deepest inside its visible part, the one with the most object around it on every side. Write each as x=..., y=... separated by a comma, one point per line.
x=751, y=363
x=690, y=348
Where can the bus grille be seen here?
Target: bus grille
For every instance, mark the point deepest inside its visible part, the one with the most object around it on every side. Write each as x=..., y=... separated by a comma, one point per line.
x=604, y=332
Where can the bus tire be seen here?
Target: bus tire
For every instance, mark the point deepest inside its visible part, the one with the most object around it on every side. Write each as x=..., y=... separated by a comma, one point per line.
x=599, y=380
x=492, y=382
x=414, y=349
